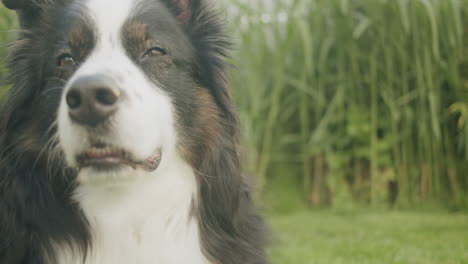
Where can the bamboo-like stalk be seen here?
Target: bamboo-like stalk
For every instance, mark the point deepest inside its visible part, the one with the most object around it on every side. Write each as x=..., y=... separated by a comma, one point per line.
x=372, y=82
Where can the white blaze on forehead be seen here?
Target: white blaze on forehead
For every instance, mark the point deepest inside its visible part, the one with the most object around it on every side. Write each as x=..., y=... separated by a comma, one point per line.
x=110, y=16
x=109, y=55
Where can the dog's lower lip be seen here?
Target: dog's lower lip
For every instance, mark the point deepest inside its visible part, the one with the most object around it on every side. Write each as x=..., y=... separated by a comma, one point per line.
x=111, y=158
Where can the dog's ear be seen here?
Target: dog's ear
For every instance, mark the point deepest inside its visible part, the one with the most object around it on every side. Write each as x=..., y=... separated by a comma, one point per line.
x=185, y=10
x=15, y=4
x=28, y=10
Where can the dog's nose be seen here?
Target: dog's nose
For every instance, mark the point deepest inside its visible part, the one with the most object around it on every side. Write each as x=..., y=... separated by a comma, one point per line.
x=92, y=100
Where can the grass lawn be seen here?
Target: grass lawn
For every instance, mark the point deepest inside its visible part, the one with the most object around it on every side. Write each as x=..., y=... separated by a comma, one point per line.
x=369, y=238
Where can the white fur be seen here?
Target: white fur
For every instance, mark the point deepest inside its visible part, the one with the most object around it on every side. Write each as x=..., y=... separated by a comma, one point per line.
x=144, y=221
x=135, y=216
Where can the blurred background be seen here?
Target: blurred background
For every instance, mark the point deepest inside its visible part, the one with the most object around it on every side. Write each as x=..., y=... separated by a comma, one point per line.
x=355, y=125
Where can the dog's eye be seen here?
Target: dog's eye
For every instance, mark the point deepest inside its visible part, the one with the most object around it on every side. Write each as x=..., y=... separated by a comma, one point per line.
x=65, y=60
x=155, y=52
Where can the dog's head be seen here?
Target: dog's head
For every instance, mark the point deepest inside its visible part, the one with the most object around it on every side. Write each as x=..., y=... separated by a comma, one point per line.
x=129, y=84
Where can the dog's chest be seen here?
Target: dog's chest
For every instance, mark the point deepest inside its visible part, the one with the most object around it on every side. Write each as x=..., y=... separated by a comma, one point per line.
x=176, y=241
x=144, y=222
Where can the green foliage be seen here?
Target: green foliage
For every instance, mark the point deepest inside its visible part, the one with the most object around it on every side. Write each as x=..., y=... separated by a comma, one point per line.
x=370, y=238
x=365, y=97
x=7, y=34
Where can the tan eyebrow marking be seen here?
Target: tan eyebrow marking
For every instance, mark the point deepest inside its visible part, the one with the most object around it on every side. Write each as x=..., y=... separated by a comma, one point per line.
x=136, y=30
x=81, y=40
x=78, y=36
x=136, y=35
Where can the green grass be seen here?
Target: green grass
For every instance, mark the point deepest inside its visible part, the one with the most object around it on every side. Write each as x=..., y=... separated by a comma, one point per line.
x=370, y=238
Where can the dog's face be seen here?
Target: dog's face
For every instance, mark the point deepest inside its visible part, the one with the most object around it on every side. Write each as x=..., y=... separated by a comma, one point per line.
x=125, y=71
x=127, y=65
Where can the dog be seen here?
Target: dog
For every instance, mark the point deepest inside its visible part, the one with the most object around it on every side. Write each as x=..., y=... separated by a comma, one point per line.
x=119, y=140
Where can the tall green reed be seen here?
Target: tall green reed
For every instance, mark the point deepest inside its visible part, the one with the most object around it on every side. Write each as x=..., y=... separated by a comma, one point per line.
x=367, y=97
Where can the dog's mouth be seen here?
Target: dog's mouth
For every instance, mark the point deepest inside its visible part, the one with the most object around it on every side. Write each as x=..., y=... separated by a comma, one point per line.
x=104, y=157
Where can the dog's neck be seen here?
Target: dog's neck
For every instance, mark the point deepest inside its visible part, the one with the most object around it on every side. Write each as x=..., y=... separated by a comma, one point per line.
x=147, y=219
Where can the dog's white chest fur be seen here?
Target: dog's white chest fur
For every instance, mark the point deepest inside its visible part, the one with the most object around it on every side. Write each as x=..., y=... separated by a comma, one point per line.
x=141, y=222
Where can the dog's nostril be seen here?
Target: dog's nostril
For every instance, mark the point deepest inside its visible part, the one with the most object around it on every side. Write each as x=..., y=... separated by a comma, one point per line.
x=73, y=99
x=107, y=96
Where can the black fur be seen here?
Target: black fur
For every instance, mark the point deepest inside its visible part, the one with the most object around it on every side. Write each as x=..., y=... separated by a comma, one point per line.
x=36, y=187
